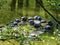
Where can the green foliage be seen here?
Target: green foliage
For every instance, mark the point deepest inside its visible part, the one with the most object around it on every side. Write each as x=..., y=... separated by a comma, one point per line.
x=6, y=15
x=25, y=39
x=55, y=4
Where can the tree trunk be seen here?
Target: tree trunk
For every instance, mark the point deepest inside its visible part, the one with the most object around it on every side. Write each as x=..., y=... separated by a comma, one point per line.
x=13, y=5
x=38, y=5
x=27, y=3
x=20, y=4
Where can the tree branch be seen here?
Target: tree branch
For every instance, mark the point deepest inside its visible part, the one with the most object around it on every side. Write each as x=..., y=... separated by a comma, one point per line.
x=49, y=13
